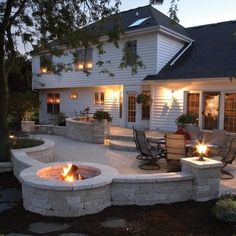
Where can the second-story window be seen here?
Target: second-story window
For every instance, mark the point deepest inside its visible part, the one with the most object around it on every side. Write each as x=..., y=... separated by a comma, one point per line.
x=46, y=64
x=131, y=52
x=84, y=59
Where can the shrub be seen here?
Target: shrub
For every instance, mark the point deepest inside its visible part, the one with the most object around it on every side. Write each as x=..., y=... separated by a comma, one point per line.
x=186, y=119
x=22, y=106
x=100, y=115
x=58, y=119
x=225, y=209
x=16, y=143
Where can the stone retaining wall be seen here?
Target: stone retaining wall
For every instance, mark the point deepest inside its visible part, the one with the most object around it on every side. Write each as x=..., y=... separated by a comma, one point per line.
x=50, y=129
x=92, y=132
x=152, y=189
x=35, y=156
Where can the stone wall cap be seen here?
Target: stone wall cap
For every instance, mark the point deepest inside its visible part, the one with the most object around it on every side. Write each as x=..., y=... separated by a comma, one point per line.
x=206, y=164
x=29, y=177
x=147, y=178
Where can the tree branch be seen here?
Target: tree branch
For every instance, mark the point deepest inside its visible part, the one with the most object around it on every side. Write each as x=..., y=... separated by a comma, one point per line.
x=17, y=13
x=11, y=47
x=7, y=15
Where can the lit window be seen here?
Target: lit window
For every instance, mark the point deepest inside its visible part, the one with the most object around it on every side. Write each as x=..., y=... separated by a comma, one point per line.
x=46, y=64
x=139, y=22
x=99, y=98
x=193, y=101
x=53, y=103
x=120, y=105
x=230, y=112
x=74, y=96
x=96, y=98
x=84, y=59
x=102, y=98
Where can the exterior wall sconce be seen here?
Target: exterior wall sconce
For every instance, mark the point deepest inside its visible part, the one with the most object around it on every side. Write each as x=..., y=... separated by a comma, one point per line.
x=43, y=70
x=174, y=99
x=73, y=96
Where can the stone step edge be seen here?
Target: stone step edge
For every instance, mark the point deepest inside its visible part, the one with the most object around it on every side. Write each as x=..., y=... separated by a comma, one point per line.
x=122, y=146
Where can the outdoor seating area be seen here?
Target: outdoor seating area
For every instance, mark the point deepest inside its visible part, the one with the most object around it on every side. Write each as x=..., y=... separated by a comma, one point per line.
x=174, y=146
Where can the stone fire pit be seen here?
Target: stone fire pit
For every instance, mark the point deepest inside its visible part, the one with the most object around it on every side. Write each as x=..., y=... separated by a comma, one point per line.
x=44, y=193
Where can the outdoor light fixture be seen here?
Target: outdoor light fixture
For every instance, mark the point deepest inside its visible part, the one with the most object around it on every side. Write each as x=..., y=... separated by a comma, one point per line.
x=201, y=149
x=44, y=70
x=174, y=99
x=74, y=96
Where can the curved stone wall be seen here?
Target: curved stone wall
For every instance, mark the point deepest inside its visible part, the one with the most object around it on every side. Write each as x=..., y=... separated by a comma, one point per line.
x=67, y=199
x=35, y=156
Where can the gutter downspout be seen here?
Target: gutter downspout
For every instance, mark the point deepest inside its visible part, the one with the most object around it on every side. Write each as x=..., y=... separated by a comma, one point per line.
x=173, y=62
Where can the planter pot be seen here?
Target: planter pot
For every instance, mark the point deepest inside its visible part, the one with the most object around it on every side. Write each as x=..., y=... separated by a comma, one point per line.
x=181, y=125
x=27, y=126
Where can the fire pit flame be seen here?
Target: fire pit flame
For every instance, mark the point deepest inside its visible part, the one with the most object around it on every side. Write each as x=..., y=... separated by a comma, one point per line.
x=70, y=173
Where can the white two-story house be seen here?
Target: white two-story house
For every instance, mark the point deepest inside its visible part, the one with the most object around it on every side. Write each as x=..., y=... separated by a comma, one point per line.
x=186, y=70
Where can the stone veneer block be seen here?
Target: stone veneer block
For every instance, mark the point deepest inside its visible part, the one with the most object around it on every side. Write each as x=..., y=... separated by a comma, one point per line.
x=53, y=197
x=206, y=173
x=92, y=132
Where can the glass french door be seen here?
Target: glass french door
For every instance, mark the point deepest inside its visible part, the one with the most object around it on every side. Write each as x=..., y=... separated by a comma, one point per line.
x=211, y=103
x=131, y=109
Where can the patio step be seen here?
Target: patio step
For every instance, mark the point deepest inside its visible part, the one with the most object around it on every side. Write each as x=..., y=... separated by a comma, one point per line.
x=123, y=145
x=122, y=137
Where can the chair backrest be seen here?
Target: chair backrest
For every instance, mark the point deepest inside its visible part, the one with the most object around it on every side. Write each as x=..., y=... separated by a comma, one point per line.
x=142, y=142
x=193, y=131
x=218, y=137
x=175, y=146
x=135, y=138
x=230, y=155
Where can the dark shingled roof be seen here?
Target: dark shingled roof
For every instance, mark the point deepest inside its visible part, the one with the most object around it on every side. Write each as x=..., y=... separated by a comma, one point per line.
x=212, y=54
x=156, y=19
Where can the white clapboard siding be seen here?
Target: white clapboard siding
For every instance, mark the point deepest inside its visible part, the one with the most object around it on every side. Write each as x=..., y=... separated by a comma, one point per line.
x=85, y=98
x=146, y=48
x=165, y=110
x=167, y=49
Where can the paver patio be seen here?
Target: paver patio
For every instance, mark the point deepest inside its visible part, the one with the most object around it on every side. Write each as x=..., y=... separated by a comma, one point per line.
x=125, y=162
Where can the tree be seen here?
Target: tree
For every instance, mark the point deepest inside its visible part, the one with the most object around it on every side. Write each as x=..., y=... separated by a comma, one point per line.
x=173, y=8
x=40, y=22
x=50, y=24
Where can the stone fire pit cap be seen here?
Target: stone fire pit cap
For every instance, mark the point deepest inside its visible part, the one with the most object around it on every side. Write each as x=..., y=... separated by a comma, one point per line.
x=29, y=177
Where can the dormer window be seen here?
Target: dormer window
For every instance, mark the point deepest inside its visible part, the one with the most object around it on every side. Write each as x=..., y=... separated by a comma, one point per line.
x=45, y=64
x=84, y=59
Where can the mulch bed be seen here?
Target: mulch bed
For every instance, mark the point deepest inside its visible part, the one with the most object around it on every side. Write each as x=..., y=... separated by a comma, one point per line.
x=187, y=218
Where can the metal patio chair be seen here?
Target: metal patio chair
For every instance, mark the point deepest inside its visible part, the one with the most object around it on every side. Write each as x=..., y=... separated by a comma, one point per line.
x=227, y=158
x=147, y=153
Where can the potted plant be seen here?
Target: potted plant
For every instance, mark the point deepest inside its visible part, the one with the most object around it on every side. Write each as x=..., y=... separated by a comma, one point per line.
x=143, y=98
x=186, y=119
x=102, y=115
x=27, y=125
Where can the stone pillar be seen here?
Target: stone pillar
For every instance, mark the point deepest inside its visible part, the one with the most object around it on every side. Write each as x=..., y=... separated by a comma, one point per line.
x=27, y=126
x=206, y=181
